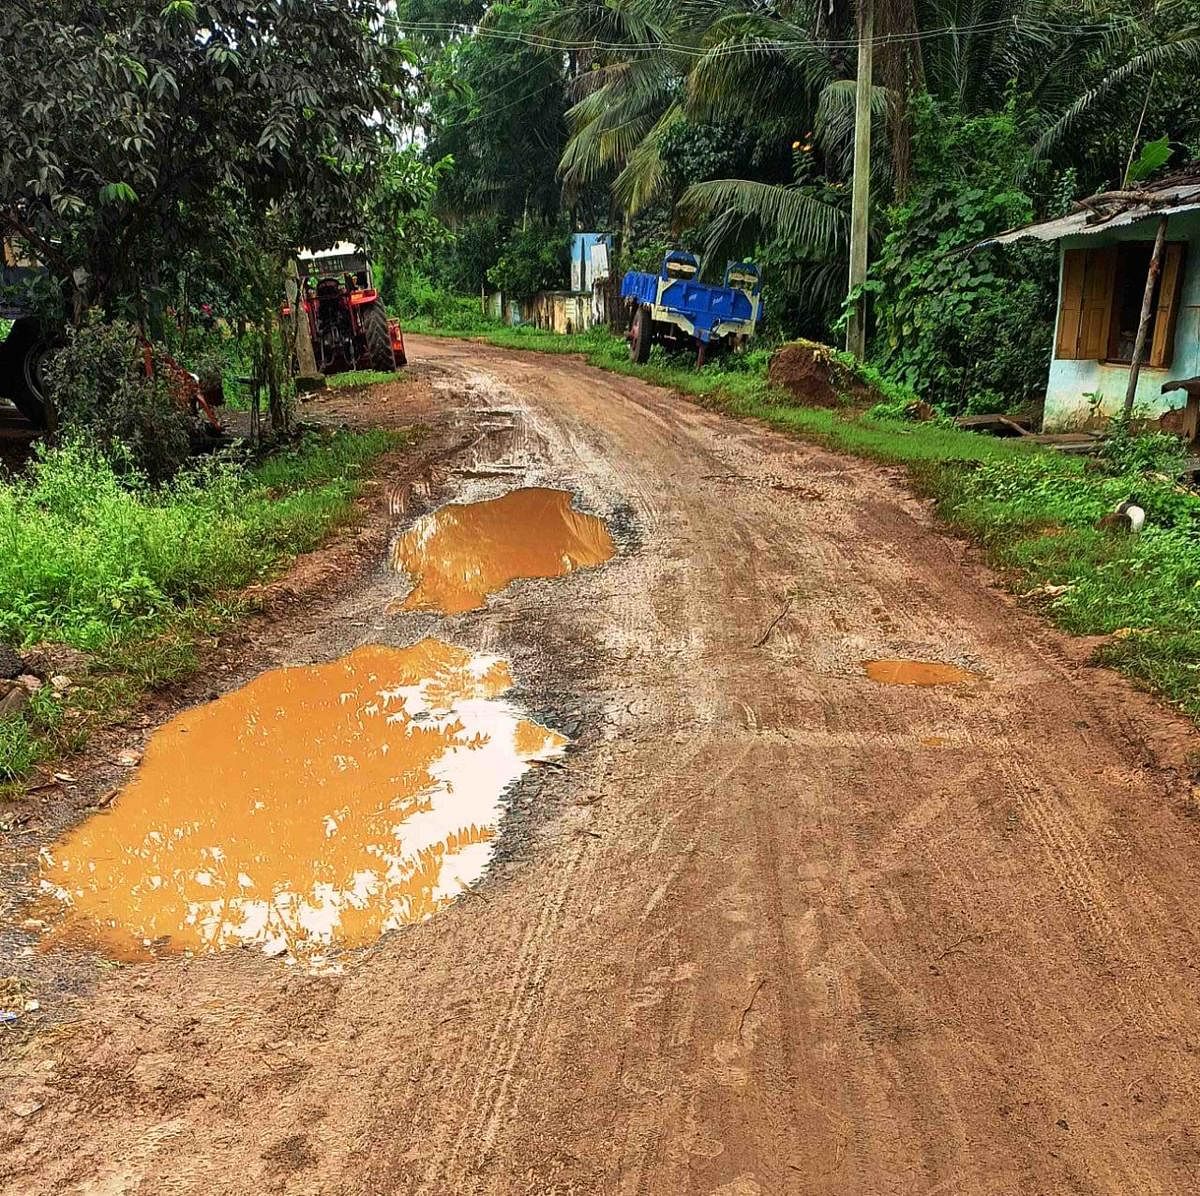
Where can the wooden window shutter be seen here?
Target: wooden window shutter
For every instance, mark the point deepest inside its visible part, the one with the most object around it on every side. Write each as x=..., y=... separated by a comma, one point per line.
x=1096, y=319
x=1070, y=307
x=1162, y=348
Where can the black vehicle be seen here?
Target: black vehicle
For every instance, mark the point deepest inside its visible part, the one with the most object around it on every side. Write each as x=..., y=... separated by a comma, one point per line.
x=23, y=351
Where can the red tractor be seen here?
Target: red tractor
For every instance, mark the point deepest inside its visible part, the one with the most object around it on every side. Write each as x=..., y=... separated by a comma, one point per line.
x=349, y=327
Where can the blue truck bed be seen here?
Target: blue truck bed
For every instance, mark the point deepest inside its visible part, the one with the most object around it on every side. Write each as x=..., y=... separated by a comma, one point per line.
x=698, y=309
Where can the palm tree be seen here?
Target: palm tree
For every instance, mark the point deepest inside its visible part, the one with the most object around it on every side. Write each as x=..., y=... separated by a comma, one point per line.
x=634, y=57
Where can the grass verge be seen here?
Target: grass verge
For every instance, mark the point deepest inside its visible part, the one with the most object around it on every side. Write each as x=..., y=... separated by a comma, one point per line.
x=139, y=577
x=1033, y=510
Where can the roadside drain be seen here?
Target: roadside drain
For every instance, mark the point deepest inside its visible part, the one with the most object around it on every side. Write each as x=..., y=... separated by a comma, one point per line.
x=917, y=672
x=317, y=806
x=461, y=553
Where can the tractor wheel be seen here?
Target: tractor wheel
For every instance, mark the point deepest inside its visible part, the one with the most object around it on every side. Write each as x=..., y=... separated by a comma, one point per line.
x=22, y=356
x=639, y=337
x=379, y=339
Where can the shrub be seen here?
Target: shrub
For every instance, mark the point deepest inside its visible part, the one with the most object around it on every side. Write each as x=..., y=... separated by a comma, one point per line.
x=534, y=259
x=100, y=391
x=1128, y=451
x=93, y=555
x=966, y=328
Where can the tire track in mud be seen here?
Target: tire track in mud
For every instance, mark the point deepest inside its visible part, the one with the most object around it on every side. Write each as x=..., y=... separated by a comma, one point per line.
x=779, y=929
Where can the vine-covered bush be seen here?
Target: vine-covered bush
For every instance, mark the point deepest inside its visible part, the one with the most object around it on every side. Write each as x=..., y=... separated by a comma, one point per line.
x=100, y=392
x=969, y=329
x=533, y=259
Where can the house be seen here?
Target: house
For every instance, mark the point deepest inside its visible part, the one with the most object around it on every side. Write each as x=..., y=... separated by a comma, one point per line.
x=1105, y=248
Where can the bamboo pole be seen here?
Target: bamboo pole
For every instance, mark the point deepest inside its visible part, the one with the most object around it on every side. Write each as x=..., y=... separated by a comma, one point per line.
x=856, y=327
x=1139, y=345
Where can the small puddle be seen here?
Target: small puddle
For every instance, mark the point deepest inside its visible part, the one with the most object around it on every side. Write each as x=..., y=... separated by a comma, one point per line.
x=917, y=672
x=461, y=553
x=314, y=807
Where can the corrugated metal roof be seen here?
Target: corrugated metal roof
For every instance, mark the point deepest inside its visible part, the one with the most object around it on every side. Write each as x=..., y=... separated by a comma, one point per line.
x=1168, y=199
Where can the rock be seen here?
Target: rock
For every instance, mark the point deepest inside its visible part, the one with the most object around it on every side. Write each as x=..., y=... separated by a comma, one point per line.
x=48, y=659
x=26, y=1108
x=31, y=683
x=14, y=702
x=309, y=383
x=11, y=662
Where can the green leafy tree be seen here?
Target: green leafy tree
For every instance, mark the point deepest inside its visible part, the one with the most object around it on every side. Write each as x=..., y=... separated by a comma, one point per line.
x=129, y=129
x=496, y=106
x=534, y=259
x=404, y=233
x=966, y=329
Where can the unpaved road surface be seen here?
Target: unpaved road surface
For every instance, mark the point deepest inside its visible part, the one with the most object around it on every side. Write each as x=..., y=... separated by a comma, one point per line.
x=774, y=927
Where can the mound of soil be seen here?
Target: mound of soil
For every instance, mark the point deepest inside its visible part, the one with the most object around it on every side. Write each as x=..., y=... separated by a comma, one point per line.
x=812, y=375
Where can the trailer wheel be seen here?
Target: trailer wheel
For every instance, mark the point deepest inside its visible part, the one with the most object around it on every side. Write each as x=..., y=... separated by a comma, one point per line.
x=22, y=356
x=639, y=337
x=379, y=339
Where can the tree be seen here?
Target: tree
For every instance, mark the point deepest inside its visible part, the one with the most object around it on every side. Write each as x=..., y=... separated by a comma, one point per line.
x=131, y=129
x=496, y=105
x=403, y=232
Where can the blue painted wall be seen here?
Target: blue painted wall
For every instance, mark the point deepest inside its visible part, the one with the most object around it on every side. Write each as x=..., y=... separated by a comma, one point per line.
x=1070, y=381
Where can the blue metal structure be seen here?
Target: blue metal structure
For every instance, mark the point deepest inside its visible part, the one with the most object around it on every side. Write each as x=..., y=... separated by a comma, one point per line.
x=674, y=309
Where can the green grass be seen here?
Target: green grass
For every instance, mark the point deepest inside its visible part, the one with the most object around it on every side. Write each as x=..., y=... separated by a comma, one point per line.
x=1033, y=510
x=352, y=379
x=140, y=577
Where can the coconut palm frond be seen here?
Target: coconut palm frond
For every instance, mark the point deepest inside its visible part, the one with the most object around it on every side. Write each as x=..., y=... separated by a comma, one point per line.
x=834, y=126
x=644, y=175
x=1182, y=51
x=777, y=211
x=775, y=70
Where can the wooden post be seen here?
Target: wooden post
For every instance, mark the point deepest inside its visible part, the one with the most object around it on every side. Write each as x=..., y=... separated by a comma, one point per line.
x=301, y=336
x=856, y=327
x=1139, y=345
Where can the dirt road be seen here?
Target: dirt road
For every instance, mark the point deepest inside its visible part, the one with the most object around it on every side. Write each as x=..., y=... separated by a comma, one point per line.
x=774, y=928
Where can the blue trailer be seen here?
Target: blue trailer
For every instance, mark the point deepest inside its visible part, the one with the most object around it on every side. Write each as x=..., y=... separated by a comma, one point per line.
x=673, y=309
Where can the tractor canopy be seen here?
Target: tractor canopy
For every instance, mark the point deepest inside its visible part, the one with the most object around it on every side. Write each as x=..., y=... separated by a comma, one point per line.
x=341, y=260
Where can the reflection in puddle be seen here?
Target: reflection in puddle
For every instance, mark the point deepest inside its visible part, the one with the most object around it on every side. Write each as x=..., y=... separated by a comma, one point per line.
x=917, y=672
x=460, y=554
x=315, y=806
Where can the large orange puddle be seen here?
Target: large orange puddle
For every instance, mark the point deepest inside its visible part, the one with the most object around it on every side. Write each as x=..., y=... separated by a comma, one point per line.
x=917, y=672
x=315, y=806
x=460, y=554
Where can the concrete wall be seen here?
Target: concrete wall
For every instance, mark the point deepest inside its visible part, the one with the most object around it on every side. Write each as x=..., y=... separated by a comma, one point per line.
x=1070, y=381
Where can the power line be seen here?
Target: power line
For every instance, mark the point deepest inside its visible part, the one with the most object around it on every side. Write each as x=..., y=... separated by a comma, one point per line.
x=748, y=46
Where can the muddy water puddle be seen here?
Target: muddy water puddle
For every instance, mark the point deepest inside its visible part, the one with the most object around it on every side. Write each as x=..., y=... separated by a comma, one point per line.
x=315, y=807
x=461, y=553
x=918, y=672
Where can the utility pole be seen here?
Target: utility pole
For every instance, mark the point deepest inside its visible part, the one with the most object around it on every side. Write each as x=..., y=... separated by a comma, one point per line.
x=856, y=328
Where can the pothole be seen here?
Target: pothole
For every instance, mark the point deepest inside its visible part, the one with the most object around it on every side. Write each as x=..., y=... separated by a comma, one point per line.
x=458, y=555
x=315, y=807
x=917, y=672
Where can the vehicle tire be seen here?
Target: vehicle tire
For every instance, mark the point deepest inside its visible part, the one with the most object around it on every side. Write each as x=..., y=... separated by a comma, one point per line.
x=639, y=337
x=379, y=339
x=21, y=359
